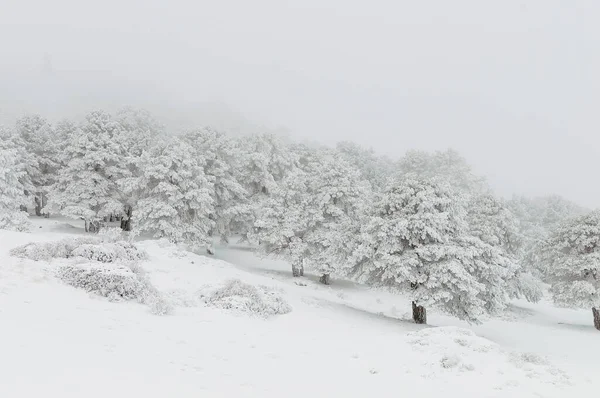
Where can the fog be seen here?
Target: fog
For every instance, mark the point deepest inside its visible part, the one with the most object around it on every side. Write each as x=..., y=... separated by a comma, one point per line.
x=512, y=85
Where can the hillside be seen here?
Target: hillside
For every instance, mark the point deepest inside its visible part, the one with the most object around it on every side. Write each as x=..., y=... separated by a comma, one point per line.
x=339, y=340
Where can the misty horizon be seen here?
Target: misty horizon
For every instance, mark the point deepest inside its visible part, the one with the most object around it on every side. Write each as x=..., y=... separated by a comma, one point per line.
x=510, y=86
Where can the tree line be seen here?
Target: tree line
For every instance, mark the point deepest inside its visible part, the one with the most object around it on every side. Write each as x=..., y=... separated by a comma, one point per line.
x=424, y=225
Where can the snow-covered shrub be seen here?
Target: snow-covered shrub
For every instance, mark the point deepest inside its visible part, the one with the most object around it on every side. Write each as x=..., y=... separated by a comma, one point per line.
x=115, y=281
x=101, y=253
x=109, y=252
x=46, y=251
x=242, y=297
x=89, y=248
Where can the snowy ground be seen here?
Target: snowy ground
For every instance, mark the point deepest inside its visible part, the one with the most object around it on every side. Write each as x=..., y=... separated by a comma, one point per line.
x=342, y=340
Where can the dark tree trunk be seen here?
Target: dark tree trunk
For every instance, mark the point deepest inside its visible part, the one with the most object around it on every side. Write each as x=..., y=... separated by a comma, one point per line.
x=126, y=219
x=297, y=270
x=324, y=279
x=419, y=313
x=92, y=226
x=38, y=206
x=596, y=313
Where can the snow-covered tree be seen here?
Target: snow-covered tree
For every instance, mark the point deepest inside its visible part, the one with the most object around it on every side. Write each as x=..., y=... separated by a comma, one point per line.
x=491, y=220
x=14, y=182
x=417, y=242
x=373, y=168
x=40, y=142
x=448, y=166
x=570, y=261
x=137, y=132
x=175, y=195
x=267, y=159
x=223, y=164
x=86, y=187
x=538, y=217
x=308, y=210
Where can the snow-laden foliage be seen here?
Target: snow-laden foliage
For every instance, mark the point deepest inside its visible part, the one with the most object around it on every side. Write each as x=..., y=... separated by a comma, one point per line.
x=13, y=187
x=267, y=159
x=109, y=252
x=176, y=196
x=570, y=261
x=538, y=217
x=41, y=142
x=115, y=281
x=305, y=214
x=138, y=131
x=448, y=166
x=223, y=164
x=238, y=296
x=86, y=187
x=373, y=168
x=87, y=248
x=417, y=241
x=491, y=220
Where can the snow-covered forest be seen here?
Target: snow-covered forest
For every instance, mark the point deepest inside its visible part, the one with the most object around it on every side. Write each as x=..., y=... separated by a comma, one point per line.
x=424, y=225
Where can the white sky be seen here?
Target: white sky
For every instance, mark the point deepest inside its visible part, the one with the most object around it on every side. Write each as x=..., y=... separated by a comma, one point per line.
x=513, y=84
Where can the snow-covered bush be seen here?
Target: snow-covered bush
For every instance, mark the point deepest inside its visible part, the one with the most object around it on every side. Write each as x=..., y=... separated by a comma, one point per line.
x=46, y=251
x=109, y=252
x=242, y=297
x=89, y=248
x=117, y=282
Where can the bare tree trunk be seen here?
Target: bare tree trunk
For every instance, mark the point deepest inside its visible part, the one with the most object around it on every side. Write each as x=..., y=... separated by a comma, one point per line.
x=297, y=270
x=126, y=219
x=92, y=226
x=38, y=205
x=419, y=313
x=324, y=279
x=44, y=203
x=596, y=313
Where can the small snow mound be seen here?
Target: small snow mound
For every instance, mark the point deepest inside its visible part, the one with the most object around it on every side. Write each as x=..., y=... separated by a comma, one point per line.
x=448, y=350
x=242, y=297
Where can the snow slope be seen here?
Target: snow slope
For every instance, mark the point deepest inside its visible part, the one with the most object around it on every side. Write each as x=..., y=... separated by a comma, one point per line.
x=342, y=340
